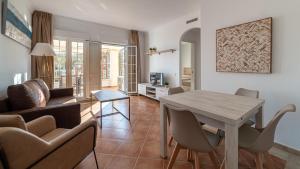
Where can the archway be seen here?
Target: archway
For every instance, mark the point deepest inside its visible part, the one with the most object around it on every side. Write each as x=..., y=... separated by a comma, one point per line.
x=189, y=55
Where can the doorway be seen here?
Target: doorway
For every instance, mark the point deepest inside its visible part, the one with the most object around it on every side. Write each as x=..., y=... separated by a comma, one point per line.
x=112, y=67
x=189, y=53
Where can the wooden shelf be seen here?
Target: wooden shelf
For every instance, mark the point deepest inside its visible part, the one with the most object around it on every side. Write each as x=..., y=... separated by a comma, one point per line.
x=161, y=51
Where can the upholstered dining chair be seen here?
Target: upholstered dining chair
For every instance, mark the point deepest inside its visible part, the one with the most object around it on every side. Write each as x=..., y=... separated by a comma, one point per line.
x=260, y=141
x=188, y=134
x=248, y=93
x=239, y=92
x=173, y=90
x=38, y=144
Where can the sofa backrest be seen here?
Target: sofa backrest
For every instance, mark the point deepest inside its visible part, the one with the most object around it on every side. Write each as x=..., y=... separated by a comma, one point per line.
x=4, y=105
x=25, y=96
x=44, y=88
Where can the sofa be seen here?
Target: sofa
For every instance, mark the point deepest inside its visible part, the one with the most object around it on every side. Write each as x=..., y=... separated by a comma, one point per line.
x=33, y=99
x=39, y=144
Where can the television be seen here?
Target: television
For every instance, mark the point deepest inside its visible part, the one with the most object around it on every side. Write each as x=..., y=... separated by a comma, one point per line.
x=157, y=79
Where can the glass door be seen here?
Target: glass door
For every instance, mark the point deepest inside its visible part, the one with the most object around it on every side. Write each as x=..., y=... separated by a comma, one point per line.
x=77, y=72
x=131, y=69
x=69, y=65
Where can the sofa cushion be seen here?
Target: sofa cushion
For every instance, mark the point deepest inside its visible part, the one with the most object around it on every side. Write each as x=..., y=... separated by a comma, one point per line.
x=25, y=96
x=54, y=134
x=61, y=100
x=44, y=88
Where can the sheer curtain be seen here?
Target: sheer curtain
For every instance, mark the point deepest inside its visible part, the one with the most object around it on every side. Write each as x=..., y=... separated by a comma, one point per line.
x=42, y=66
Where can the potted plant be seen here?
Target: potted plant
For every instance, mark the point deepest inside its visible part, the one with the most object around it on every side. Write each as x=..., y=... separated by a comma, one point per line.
x=166, y=84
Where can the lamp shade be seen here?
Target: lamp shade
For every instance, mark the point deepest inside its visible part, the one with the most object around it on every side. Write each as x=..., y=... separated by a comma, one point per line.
x=43, y=49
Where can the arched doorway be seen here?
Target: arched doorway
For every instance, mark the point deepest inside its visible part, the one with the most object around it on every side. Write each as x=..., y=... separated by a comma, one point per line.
x=189, y=54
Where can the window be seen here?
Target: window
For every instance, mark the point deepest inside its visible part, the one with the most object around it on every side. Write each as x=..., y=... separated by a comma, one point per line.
x=60, y=48
x=105, y=64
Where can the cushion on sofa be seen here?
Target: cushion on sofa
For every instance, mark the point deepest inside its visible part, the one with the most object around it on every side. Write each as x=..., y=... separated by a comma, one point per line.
x=25, y=96
x=44, y=88
x=61, y=100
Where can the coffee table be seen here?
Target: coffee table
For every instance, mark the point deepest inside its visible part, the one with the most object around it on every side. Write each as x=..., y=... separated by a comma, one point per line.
x=109, y=96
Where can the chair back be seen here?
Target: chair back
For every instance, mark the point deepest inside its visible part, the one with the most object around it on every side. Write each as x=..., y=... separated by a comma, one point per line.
x=187, y=131
x=266, y=139
x=247, y=93
x=176, y=90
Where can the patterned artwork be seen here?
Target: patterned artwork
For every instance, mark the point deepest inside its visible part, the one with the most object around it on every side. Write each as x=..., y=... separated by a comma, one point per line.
x=15, y=25
x=245, y=48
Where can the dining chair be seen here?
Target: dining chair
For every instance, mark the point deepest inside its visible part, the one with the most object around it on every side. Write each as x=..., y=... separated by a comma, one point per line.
x=172, y=91
x=248, y=93
x=260, y=141
x=239, y=92
x=188, y=134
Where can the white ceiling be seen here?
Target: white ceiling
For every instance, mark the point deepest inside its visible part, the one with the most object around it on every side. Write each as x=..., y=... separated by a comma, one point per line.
x=130, y=14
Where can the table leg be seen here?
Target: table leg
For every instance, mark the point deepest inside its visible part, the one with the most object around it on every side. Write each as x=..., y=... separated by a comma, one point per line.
x=259, y=119
x=231, y=146
x=163, y=132
x=100, y=114
x=129, y=108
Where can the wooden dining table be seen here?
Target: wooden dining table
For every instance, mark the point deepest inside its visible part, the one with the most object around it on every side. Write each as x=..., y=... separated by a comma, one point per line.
x=224, y=111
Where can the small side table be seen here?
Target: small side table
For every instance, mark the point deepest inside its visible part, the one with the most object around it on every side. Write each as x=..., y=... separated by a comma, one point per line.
x=109, y=96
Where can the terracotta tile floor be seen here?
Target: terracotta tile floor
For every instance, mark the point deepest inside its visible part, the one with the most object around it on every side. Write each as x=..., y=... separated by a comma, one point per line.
x=135, y=145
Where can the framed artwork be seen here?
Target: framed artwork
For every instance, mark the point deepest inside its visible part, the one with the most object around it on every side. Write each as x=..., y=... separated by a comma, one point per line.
x=245, y=48
x=14, y=25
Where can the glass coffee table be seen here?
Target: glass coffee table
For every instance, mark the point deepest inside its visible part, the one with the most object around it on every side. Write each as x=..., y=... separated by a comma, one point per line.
x=109, y=96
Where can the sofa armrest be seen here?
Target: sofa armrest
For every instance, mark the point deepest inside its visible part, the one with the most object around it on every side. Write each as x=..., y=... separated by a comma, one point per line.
x=84, y=127
x=66, y=115
x=19, y=148
x=63, y=92
x=41, y=126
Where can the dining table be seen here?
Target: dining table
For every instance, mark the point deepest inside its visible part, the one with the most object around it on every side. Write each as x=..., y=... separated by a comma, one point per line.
x=224, y=111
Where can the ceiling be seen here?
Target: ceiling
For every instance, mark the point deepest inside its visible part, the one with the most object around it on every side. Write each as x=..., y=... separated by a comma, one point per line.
x=130, y=14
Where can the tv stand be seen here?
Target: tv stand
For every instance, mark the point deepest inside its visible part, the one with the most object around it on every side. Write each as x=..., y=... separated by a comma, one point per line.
x=151, y=91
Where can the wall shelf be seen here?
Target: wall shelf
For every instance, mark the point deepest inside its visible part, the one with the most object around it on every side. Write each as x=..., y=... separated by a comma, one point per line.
x=161, y=51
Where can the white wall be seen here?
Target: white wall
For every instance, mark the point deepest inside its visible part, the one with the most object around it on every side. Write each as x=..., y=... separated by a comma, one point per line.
x=279, y=88
x=64, y=26
x=168, y=37
x=14, y=58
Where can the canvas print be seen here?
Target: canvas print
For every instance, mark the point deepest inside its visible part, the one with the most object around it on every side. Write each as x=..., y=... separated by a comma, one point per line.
x=15, y=25
x=245, y=48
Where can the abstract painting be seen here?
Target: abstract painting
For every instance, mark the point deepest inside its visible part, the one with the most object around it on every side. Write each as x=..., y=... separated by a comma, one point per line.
x=245, y=48
x=15, y=25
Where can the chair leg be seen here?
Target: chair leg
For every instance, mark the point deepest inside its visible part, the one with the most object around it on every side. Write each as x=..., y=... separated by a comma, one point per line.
x=189, y=155
x=259, y=160
x=223, y=164
x=269, y=161
x=174, y=156
x=95, y=156
x=170, y=141
x=197, y=162
x=214, y=159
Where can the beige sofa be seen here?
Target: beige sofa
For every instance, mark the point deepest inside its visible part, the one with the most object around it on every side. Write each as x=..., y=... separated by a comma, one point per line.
x=38, y=144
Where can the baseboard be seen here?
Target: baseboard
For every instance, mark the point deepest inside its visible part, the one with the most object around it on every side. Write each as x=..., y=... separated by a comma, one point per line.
x=287, y=149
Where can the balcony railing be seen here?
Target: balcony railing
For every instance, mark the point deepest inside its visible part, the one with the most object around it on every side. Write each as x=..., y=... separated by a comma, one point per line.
x=77, y=84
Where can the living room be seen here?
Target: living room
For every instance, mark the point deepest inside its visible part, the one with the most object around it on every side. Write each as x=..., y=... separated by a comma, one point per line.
x=95, y=84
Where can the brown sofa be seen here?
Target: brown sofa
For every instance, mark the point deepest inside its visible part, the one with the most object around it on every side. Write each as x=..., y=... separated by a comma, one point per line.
x=33, y=99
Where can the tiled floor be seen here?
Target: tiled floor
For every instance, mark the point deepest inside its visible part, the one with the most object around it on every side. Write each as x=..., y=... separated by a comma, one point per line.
x=135, y=145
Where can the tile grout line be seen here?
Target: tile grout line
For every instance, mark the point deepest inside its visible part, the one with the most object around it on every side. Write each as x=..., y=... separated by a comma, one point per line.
x=138, y=157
